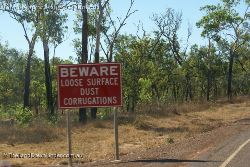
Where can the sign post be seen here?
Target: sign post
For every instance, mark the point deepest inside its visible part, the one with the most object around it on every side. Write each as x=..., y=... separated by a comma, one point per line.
x=90, y=85
x=69, y=139
x=116, y=135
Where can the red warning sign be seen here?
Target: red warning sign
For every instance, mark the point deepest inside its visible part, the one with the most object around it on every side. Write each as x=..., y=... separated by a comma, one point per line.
x=89, y=85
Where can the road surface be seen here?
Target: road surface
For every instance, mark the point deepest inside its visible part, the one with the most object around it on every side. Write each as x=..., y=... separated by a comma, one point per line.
x=227, y=146
x=234, y=151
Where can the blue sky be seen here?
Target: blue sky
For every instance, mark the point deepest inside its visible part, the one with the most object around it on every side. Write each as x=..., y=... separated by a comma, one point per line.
x=12, y=32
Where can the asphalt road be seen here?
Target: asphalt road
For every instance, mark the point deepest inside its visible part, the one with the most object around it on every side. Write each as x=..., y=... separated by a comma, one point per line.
x=234, y=151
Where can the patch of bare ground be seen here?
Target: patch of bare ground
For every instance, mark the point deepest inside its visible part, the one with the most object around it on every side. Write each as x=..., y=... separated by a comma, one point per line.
x=148, y=131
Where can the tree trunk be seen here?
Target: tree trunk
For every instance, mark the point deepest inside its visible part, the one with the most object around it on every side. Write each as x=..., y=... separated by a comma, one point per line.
x=189, y=93
x=94, y=110
x=130, y=104
x=208, y=84
x=174, y=92
x=230, y=76
x=48, y=81
x=209, y=70
x=84, y=56
x=110, y=58
x=26, y=94
x=215, y=89
x=155, y=93
x=97, y=49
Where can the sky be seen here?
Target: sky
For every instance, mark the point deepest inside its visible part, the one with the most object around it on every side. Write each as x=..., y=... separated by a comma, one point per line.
x=12, y=32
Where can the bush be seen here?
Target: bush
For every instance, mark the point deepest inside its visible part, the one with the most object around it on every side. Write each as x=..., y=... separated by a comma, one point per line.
x=23, y=115
x=105, y=113
x=53, y=119
x=7, y=111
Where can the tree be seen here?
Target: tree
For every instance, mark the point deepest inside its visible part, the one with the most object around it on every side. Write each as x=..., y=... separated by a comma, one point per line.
x=112, y=31
x=224, y=24
x=129, y=53
x=24, y=13
x=147, y=69
x=44, y=20
x=168, y=25
x=84, y=53
x=99, y=22
x=11, y=76
x=50, y=30
x=207, y=67
x=37, y=87
x=101, y=7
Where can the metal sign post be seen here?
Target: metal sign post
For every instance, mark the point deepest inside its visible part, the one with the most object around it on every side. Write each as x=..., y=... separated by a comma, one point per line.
x=116, y=135
x=69, y=139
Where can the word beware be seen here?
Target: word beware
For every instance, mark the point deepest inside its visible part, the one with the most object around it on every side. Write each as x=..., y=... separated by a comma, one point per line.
x=89, y=71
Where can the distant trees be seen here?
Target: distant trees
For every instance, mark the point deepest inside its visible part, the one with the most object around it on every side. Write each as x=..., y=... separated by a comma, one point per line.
x=158, y=67
x=44, y=20
x=102, y=35
x=168, y=25
x=27, y=17
x=11, y=76
x=161, y=69
x=12, y=72
x=50, y=29
x=229, y=29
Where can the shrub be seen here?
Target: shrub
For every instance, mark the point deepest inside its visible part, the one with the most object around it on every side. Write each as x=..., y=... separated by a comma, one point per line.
x=23, y=115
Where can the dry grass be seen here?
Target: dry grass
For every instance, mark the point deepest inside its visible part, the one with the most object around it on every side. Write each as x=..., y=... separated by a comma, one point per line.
x=17, y=135
x=151, y=127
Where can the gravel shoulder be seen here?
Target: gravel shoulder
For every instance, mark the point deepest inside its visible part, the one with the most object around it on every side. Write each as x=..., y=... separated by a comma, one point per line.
x=192, y=151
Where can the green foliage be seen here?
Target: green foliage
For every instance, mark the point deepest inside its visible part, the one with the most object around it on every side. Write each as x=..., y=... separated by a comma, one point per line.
x=105, y=113
x=93, y=14
x=156, y=67
x=228, y=27
x=23, y=115
x=50, y=26
x=7, y=111
x=52, y=119
x=145, y=93
x=223, y=18
x=11, y=80
x=11, y=75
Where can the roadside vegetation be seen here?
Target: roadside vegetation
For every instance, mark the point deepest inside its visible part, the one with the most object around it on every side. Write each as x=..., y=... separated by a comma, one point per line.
x=145, y=129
